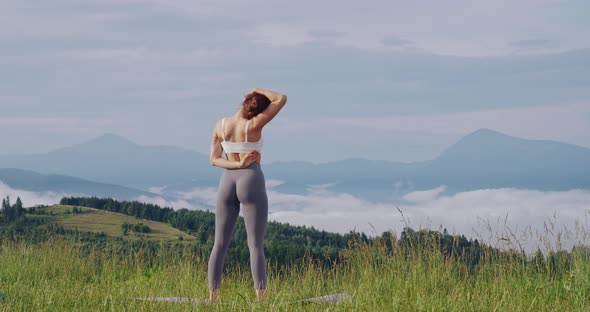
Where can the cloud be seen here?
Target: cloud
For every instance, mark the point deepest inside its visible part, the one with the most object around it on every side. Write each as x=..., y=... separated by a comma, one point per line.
x=528, y=218
x=30, y=198
x=475, y=30
x=323, y=34
x=206, y=195
x=424, y=196
x=57, y=124
x=167, y=202
x=270, y=183
x=120, y=54
x=157, y=189
x=532, y=43
x=514, y=218
x=395, y=41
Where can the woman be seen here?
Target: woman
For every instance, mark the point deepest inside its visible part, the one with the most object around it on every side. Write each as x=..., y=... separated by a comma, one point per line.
x=240, y=137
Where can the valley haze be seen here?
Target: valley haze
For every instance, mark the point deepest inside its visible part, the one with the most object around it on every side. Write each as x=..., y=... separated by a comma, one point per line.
x=486, y=178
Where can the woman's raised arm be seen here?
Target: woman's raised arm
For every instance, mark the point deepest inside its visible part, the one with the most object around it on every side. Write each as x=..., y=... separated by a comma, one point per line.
x=277, y=101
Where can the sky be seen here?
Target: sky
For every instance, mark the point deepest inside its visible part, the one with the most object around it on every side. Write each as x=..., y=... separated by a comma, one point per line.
x=392, y=80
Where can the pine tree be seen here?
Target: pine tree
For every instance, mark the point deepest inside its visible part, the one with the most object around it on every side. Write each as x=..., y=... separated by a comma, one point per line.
x=18, y=208
x=7, y=210
x=19, y=203
x=4, y=210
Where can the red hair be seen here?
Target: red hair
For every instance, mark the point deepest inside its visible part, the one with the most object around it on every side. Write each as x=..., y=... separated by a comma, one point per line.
x=254, y=104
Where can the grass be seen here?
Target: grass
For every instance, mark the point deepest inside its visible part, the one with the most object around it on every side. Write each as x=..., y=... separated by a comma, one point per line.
x=95, y=220
x=58, y=276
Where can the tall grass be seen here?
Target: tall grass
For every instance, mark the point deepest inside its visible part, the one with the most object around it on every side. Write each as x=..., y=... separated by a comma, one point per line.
x=59, y=275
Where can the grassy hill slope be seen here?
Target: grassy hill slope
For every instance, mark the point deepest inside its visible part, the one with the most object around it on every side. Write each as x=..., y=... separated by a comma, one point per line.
x=96, y=220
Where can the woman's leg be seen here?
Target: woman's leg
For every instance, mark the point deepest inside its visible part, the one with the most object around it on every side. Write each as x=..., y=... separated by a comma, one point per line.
x=251, y=192
x=226, y=213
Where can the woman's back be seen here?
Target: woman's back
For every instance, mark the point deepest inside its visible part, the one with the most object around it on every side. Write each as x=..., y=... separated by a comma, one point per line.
x=235, y=130
x=239, y=138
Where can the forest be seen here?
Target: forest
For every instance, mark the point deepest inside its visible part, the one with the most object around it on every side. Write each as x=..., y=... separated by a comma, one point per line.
x=284, y=244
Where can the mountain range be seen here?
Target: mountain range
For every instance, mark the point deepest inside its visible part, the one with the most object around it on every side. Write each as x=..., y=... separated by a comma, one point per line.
x=61, y=184
x=482, y=159
x=114, y=159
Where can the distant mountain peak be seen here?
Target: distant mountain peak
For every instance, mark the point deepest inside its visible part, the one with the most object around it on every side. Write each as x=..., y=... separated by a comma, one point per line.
x=485, y=135
x=110, y=135
x=481, y=142
x=485, y=146
x=487, y=132
x=104, y=142
x=110, y=138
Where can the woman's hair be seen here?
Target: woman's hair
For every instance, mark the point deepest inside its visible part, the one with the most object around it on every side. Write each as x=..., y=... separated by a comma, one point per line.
x=254, y=104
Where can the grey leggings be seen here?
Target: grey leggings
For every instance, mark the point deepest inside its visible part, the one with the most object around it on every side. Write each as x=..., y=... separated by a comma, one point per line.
x=245, y=186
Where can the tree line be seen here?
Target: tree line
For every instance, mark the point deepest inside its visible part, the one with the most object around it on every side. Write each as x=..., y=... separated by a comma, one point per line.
x=12, y=213
x=285, y=244
x=136, y=228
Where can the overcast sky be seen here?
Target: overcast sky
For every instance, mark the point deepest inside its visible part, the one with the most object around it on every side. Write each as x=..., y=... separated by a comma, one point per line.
x=393, y=80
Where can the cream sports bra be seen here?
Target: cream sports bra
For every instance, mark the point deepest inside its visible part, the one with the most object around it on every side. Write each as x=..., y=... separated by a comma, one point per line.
x=240, y=147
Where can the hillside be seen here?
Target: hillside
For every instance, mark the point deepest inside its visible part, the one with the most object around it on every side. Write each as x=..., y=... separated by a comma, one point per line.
x=96, y=220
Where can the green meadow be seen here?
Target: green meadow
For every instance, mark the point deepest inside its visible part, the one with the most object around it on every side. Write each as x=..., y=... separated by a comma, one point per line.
x=104, y=270
x=58, y=275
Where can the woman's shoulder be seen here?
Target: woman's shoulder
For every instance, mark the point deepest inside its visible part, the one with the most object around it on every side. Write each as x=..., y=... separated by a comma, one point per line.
x=222, y=120
x=220, y=124
x=225, y=123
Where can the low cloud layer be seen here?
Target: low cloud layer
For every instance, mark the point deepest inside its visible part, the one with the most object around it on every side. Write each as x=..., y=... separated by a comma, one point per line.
x=527, y=219
x=30, y=198
x=514, y=218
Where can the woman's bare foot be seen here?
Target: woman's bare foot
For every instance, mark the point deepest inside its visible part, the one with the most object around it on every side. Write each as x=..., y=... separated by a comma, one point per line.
x=260, y=295
x=213, y=295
